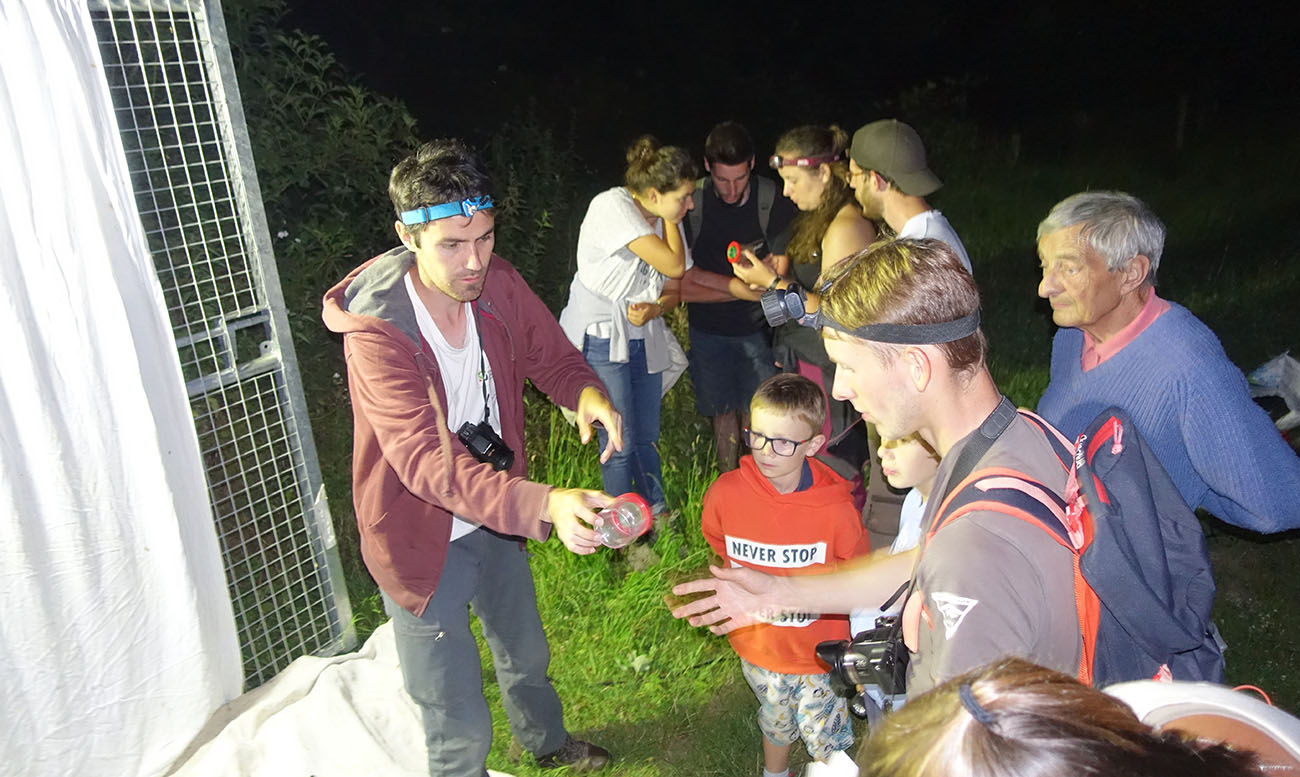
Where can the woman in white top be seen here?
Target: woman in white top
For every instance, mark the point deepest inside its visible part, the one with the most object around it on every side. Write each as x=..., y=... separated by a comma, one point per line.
x=630, y=242
x=813, y=164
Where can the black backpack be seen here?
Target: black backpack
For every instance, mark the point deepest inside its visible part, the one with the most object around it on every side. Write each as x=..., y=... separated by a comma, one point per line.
x=765, y=191
x=1143, y=584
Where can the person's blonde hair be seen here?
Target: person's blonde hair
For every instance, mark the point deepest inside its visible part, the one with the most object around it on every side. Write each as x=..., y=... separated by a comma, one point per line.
x=907, y=282
x=791, y=394
x=1021, y=720
x=916, y=438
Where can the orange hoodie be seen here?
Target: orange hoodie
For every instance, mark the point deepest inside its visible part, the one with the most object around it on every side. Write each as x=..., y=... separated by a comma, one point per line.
x=749, y=523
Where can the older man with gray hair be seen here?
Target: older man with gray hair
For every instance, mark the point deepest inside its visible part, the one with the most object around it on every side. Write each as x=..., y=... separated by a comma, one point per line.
x=1120, y=344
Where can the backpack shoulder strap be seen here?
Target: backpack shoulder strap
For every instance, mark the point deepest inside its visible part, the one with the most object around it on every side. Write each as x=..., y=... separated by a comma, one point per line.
x=1009, y=491
x=1016, y=495
x=766, y=198
x=695, y=216
x=1061, y=445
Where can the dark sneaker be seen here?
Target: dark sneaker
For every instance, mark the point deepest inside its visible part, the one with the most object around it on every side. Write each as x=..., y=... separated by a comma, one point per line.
x=577, y=755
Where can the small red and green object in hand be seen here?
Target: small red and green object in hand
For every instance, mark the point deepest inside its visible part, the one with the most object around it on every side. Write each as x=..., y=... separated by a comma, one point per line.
x=733, y=252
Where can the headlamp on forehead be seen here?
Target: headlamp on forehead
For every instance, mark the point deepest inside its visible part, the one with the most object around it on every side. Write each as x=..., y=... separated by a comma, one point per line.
x=776, y=162
x=466, y=207
x=782, y=305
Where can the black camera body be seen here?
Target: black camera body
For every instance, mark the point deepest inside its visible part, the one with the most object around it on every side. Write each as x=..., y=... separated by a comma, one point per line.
x=874, y=657
x=486, y=445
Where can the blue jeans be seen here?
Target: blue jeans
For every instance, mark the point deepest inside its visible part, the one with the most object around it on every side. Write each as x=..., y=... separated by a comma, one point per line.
x=726, y=370
x=636, y=395
x=440, y=660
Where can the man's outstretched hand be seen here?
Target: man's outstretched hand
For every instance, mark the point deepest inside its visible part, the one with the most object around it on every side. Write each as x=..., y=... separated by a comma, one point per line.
x=594, y=406
x=572, y=512
x=740, y=597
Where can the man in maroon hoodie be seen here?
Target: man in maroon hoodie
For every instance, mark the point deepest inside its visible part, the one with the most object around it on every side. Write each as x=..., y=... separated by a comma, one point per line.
x=439, y=336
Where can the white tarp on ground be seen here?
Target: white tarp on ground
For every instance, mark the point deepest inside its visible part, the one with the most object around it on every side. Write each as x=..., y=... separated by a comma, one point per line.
x=328, y=717
x=117, y=639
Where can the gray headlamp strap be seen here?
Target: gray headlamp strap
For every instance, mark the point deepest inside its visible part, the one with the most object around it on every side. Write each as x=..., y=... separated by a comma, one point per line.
x=911, y=334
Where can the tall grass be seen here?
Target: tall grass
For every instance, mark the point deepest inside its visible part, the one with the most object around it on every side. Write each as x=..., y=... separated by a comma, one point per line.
x=662, y=695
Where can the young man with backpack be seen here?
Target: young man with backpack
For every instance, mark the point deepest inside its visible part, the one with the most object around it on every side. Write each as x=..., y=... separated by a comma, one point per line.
x=901, y=323
x=731, y=343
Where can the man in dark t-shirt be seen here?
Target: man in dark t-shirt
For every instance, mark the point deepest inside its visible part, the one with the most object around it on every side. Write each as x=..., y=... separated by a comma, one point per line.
x=730, y=341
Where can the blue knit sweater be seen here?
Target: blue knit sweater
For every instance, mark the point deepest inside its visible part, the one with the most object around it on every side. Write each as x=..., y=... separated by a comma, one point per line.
x=1194, y=408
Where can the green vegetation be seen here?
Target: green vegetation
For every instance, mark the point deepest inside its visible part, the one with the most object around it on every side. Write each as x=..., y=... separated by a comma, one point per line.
x=668, y=699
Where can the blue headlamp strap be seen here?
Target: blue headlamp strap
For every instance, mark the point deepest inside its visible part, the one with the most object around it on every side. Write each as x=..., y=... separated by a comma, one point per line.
x=466, y=207
x=910, y=334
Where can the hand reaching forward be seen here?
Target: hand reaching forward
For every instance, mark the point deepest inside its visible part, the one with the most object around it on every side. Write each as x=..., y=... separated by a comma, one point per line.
x=594, y=406
x=741, y=597
x=754, y=271
x=571, y=512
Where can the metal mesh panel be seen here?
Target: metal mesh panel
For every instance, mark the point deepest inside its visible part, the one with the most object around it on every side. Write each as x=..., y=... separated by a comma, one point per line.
x=181, y=127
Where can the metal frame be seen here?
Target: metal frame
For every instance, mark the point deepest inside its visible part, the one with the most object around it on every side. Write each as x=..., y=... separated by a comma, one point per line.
x=170, y=74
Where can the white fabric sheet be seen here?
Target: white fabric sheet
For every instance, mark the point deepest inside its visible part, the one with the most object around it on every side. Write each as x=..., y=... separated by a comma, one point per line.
x=328, y=717
x=117, y=640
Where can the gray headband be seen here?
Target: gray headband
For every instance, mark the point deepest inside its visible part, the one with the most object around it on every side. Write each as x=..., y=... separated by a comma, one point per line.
x=910, y=334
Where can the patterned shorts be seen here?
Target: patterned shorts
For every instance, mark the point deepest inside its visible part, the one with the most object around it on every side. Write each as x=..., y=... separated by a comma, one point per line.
x=793, y=706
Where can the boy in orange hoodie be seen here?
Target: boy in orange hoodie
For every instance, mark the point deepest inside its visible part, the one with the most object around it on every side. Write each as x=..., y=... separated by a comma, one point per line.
x=786, y=513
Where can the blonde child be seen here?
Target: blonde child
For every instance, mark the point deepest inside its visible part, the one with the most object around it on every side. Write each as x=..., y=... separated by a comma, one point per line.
x=786, y=513
x=907, y=462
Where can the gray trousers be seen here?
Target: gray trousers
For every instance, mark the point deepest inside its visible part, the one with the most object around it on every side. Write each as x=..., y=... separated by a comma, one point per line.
x=440, y=659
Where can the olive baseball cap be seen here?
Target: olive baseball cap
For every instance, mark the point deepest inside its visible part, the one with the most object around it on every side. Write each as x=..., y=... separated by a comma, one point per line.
x=894, y=150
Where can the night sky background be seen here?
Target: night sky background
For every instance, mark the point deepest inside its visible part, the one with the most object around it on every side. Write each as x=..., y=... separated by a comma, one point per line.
x=1062, y=76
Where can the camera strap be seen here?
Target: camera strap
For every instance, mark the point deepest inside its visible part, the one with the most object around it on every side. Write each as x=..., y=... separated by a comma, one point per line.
x=990, y=429
x=988, y=433
x=482, y=365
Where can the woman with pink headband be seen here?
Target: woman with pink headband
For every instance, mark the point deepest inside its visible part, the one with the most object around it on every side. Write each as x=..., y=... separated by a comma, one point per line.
x=813, y=163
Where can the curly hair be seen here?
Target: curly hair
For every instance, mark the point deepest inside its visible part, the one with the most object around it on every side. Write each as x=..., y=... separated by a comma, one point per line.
x=810, y=227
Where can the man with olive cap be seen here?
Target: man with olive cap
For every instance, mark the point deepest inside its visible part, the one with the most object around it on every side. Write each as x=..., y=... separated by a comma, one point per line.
x=890, y=177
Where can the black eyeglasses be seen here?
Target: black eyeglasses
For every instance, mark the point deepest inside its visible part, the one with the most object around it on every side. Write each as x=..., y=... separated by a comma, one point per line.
x=780, y=445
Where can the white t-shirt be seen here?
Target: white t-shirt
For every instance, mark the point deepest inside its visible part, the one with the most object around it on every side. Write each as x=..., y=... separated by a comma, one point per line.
x=909, y=536
x=610, y=269
x=931, y=223
x=459, y=368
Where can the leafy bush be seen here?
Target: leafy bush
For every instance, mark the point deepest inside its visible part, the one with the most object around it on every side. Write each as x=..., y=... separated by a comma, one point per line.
x=536, y=178
x=323, y=146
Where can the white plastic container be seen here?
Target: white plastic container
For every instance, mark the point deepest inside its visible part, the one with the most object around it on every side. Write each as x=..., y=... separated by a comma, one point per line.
x=626, y=518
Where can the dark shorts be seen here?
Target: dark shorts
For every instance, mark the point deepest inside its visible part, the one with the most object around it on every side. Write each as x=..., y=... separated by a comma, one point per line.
x=726, y=369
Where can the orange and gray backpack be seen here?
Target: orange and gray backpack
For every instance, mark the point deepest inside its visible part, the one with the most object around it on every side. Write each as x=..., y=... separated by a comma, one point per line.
x=1142, y=578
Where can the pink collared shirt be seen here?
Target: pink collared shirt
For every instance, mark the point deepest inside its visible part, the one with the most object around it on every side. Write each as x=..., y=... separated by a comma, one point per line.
x=1095, y=353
